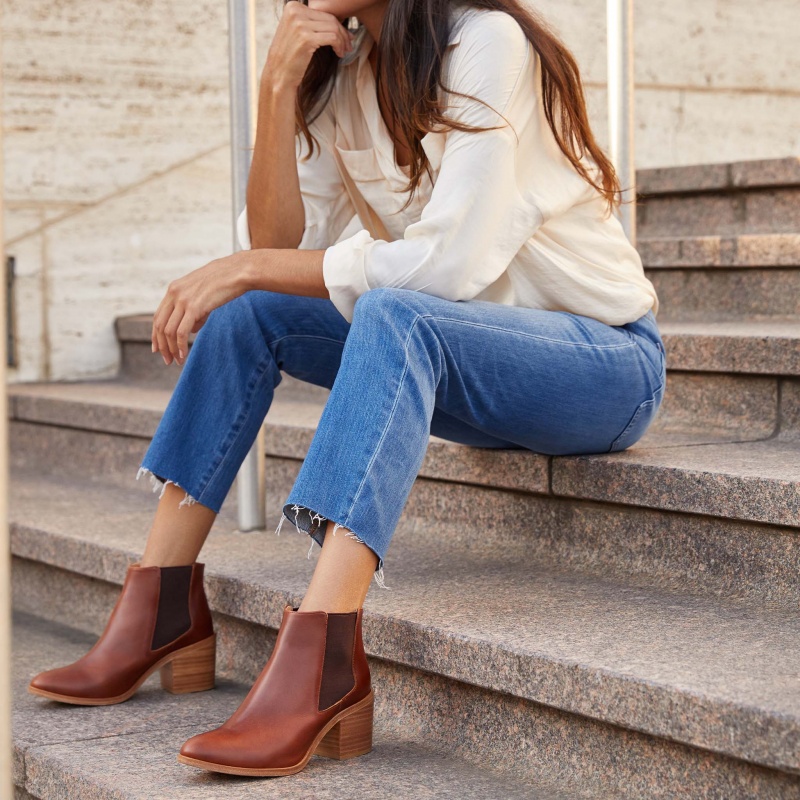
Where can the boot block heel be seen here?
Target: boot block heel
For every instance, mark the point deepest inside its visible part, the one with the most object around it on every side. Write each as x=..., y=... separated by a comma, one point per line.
x=192, y=669
x=350, y=737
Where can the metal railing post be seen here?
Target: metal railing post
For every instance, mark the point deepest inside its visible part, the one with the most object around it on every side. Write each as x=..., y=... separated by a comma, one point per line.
x=250, y=485
x=620, y=105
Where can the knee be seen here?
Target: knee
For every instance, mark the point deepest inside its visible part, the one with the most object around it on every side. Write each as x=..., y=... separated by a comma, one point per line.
x=235, y=326
x=400, y=316
x=252, y=315
x=234, y=314
x=386, y=304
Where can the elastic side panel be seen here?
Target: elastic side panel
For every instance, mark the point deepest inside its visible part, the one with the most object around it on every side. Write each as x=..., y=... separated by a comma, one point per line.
x=173, y=617
x=337, y=668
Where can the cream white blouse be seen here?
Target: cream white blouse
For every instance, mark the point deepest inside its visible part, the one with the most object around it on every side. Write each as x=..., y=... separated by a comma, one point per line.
x=506, y=219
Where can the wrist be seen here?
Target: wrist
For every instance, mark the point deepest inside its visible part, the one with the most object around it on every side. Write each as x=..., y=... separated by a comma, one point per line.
x=252, y=266
x=278, y=87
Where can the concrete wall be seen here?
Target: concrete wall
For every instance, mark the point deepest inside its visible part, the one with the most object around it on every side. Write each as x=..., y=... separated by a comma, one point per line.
x=116, y=139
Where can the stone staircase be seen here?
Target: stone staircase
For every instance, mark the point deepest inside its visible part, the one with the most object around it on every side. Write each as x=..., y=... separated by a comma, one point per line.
x=609, y=626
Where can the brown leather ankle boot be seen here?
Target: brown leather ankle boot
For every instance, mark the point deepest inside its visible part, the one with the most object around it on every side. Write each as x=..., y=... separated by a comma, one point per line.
x=313, y=695
x=161, y=621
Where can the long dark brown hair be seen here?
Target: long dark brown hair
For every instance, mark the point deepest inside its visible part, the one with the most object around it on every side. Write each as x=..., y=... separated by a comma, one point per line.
x=413, y=38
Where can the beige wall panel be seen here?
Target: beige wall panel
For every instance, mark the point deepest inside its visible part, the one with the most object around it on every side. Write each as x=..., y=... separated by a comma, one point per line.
x=28, y=294
x=116, y=132
x=678, y=127
x=731, y=45
x=100, y=96
x=119, y=257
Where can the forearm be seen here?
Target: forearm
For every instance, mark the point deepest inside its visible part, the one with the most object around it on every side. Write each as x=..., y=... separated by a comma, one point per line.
x=274, y=205
x=288, y=271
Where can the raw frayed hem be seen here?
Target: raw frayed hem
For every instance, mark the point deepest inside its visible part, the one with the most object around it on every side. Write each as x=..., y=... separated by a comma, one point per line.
x=317, y=521
x=157, y=483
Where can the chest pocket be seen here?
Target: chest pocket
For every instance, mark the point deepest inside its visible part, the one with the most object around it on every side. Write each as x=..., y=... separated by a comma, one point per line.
x=367, y=187
x=361, y=165
x=365, y=180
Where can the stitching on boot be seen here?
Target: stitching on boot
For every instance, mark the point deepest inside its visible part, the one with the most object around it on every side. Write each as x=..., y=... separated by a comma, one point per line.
x=322, y=665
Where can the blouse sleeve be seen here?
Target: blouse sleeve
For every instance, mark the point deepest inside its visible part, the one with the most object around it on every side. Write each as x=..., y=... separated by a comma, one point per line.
x=476, y=219
x=327, y=205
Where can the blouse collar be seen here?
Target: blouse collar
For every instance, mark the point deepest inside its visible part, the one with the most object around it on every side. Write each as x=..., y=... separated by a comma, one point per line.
x=366, y=91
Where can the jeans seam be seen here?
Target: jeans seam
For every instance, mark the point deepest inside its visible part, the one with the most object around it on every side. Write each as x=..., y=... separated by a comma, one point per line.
x=531, y=335
x=260, y=373
x=386, y=426
x=626, y=431
x=303, y=336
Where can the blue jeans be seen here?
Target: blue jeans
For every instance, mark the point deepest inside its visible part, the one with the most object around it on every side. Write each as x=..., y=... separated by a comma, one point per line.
x=409, y=364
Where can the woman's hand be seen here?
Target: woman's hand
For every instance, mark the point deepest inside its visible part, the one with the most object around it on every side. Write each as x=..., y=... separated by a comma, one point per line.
x=190, y=299
x=300, y=31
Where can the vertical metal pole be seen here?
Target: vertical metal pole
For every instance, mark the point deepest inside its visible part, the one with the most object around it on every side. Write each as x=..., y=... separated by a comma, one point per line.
x=620, y=105
x=6, y=781
x=250, y=480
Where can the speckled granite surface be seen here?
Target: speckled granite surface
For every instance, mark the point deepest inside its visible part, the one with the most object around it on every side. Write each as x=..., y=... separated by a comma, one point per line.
x=129, y=750
x=711, y=672
x=746, y=197
x=699, y=409
x=748, y=480
x=790, y=409
x=578, y=757
x=725, y=175
x=767, y=346
x=747, y=250
x=732, y=294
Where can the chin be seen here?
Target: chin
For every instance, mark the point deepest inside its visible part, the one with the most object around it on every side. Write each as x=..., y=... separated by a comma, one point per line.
x=332, y=7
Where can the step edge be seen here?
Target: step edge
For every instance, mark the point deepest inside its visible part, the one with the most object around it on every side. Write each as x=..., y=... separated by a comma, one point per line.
x=753, y=718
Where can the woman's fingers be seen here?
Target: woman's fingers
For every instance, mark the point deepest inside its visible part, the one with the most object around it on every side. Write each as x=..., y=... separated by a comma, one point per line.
x=185, y=327
x=165, y=323
x=171, y=330
x=301, y=31
x=339, y=40
x=332, y=32
x=163, y=313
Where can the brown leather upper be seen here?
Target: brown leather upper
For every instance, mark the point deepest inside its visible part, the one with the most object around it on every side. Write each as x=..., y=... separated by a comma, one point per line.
x=123, y=652
x=279, y=718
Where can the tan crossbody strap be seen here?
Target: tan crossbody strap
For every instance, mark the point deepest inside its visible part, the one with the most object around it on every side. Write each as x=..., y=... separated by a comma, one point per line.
x=369, y=219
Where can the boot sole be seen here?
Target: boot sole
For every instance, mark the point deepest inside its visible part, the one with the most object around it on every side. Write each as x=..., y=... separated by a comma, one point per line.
x=175, y=679
x=338, y=743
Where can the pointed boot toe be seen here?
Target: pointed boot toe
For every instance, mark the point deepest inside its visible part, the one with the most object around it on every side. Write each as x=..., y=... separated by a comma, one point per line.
x=51, y=681
x=203, y=748
x=314, y=695
x=161, y=620
x=70, y=684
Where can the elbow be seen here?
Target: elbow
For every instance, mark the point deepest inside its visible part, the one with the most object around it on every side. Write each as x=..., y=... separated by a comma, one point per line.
x=270, y=235
x=447, y=282
x=271, y=241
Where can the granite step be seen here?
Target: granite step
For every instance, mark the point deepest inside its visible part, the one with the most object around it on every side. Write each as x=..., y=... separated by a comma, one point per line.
x=604, y=687
x=129, y=750
x=753, y=345
x=759, y=251
x=727, y=199
x=721, y=278
x=140, y=365
x=695, y=508
x=703, y=401
x=696, y=341
x=724, y=277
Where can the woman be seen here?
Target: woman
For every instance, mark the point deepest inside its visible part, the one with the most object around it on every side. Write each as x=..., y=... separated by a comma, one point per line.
x=445, y=260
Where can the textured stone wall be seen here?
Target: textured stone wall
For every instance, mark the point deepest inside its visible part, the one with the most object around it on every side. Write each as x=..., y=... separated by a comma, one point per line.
x=116, y=139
